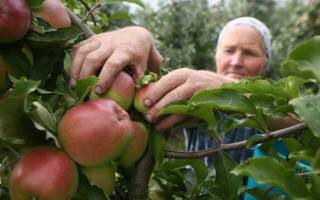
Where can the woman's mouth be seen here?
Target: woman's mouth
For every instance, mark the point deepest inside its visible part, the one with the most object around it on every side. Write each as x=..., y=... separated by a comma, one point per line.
x=235, y=75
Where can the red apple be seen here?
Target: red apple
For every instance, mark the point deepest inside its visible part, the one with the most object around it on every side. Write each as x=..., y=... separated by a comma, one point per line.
x=102, y=176
x=137, y=145
x=139, y=98
x=53, y=12
x=95, y=132
x=15, y=19
x=121, y=91
x=45, y=172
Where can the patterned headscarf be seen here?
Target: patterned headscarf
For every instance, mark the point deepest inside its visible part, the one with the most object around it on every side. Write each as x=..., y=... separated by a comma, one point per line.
x=256, y=24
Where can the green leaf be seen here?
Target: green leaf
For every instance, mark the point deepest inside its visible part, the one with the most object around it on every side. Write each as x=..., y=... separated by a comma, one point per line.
x=24, y=87
x=263, y=194
x=267, y=170
x=306, y=154
x=291, y=67
x=157, y=144
x=15, y=59
x=315, y=186
x=119, y=16
x=257, y=85
x=231, y=123
x=198, y=166
x=316, y=160
x=87, y=191
x=35, y=3
x=304, y=60
x=83, y=86
x=67, y=63
x=308, y=109
x=229, y=183
x=15, y=126
x=43, y=117
x=146, y=79
x=253, y=140
x=201, y=112
x=291, y=85
x=292, y=144
x=223, y=99
x=53, y=39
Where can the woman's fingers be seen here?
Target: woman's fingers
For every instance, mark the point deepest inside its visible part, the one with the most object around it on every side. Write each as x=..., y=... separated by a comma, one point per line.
x=165, y=85
x=114, y=64
x=94, y=62
x=182, y=92
x=79, y=55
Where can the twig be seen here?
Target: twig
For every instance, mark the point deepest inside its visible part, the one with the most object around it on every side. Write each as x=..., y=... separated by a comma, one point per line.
x=78, y=22
x=88, y=9
x=233, y=146
x=98, y=5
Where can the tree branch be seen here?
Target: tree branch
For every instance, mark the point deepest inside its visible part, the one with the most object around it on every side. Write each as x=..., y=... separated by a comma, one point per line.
x=233, y=146
x=78, y=22
x=138, y=187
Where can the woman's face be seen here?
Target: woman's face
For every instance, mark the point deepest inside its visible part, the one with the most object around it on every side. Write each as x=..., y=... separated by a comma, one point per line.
x=240, y=53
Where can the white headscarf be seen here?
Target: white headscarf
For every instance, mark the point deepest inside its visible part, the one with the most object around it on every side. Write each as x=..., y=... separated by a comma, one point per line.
x=256, y=24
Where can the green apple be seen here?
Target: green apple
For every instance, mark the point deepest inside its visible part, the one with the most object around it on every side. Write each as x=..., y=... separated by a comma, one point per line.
x=121, y=91
x=137, y=145
x=102, y=176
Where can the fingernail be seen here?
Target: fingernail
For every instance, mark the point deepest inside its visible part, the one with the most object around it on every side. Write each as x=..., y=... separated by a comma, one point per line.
x=149, y=118
x=72, y=82
x=147, y=102
x=98, y=90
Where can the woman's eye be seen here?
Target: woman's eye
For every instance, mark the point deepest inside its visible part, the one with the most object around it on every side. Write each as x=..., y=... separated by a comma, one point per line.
x=228, y=50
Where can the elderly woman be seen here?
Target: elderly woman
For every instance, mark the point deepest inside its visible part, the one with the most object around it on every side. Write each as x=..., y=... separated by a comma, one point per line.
x=243, y=50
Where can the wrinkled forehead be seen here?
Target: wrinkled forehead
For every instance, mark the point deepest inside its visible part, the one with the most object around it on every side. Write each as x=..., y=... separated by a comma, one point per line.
x=244, y=36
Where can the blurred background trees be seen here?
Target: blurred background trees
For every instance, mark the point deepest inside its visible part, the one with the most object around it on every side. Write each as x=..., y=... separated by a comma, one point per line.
x=186, y=31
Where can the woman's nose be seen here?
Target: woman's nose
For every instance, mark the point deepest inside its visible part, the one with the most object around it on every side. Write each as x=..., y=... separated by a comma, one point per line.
x=237, y=59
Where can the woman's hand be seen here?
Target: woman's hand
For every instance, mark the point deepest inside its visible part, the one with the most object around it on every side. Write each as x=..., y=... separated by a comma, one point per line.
x=106, y=54
x=180, y=84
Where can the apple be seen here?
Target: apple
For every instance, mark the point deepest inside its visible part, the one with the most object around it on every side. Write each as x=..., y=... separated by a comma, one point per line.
x=45, y=172
x=139, y=98
x=137, y=145
x=53, y=12
x=15, y=20
x=102, y=176
x=95, y=132
x=121, y=91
